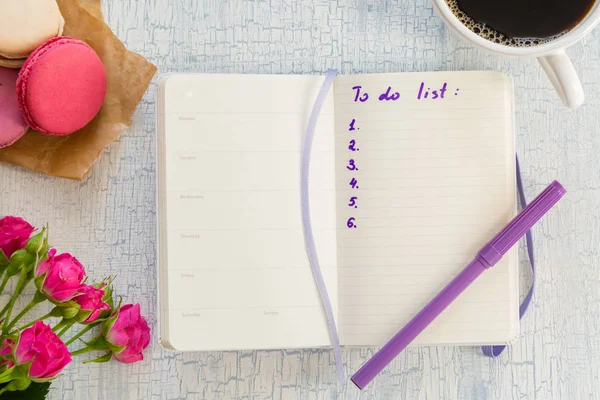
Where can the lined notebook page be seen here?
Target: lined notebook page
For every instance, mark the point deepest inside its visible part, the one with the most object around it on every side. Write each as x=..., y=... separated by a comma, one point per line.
x=426, y=176
x=237, y=271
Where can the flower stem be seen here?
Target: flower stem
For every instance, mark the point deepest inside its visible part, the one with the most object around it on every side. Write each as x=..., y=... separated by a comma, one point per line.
x=67, y=326
x=17, y=293
x=31, y=323
x=27, y=281
x=4, y=282
x=13, y=299
x=3, y=269
x=80, y=334
x=82, y=351
x=29, y=307
x=60, y=325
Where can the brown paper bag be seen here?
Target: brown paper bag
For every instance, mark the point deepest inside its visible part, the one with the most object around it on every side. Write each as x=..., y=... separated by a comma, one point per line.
x=128, y=76
x=94, y=7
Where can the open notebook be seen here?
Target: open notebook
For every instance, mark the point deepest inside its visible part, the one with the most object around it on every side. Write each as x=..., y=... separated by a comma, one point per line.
x=411, y=174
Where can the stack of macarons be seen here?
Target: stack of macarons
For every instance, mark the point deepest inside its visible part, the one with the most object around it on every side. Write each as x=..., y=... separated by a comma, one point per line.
x=51, y=83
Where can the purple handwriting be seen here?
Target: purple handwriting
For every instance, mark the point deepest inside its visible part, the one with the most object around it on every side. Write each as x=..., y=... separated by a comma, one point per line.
x=387, y=96
x=353, y=202
x=350, y=223
x=352, y=128
x=435, y=94
x=351, y=166
x=358, y=97
x=424, y=92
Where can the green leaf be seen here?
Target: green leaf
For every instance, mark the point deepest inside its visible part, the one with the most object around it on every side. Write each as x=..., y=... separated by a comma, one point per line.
x=82, y=315
x=18, y=384
x=19, y=260
x=39, y=297
x=98, y=343
x=63, y=306
x=106, y=281
x=115, y=349
x=108, y=324
x=70, y=312
x=105, y=358
x=38, y=244
x=39, y=282
x=7, y=375
x=56, y=312
x=3, y=259
x=108, y=291
x=69, y=304
x=35, y=391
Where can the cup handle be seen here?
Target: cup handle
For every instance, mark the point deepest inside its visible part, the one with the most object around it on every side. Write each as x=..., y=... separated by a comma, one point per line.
x=563, y=77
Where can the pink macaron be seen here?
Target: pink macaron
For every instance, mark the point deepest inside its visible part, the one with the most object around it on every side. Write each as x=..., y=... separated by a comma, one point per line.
x=12, y=124
x=61, y=86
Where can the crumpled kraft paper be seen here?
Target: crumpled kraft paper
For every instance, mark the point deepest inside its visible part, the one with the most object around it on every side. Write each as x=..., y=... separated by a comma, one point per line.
x=128, y=76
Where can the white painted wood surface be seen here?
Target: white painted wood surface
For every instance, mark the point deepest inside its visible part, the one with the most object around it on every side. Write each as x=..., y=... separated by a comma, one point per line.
x=108, y=221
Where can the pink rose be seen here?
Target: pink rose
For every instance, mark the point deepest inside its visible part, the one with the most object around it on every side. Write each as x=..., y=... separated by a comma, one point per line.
x=14, y=233
x=91, y=301
x=63, y=276
x=6, y=351
x=45, y=351
x=129, y=330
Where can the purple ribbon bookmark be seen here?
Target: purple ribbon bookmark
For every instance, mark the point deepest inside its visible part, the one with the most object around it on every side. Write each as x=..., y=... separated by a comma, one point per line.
x=309, y=239
x=495, y=351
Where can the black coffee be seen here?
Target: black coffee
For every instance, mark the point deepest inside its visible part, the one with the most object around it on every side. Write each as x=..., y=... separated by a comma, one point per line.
x=520, y=22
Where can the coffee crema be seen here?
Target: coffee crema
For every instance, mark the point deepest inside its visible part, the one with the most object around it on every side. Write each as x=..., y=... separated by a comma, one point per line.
x=520, y=23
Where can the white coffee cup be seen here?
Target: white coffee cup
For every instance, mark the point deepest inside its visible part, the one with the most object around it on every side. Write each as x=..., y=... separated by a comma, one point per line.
x=551, y=55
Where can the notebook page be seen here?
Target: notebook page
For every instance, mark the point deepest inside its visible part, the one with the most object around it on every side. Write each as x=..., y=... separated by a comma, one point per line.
x=426, y=176
x=237, y=272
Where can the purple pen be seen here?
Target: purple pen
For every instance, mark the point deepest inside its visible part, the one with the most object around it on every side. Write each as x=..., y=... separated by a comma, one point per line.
x=486, y=258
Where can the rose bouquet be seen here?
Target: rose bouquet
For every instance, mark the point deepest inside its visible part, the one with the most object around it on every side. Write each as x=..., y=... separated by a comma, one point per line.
x=33, y=354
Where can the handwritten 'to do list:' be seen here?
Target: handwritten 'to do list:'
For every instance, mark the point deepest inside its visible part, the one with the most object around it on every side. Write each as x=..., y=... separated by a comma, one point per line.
x=424, y=93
